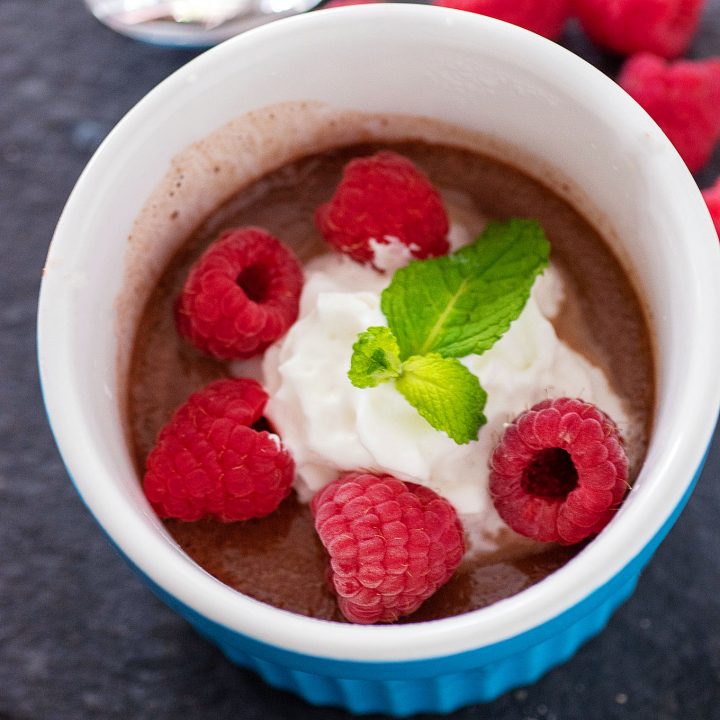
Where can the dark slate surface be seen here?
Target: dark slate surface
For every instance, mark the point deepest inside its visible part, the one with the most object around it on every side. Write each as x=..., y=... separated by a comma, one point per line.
x=80, y=636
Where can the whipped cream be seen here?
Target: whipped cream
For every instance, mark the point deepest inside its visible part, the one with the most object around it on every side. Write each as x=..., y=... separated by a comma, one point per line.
x=465, y=224
x=390, y=254
x=331, y=426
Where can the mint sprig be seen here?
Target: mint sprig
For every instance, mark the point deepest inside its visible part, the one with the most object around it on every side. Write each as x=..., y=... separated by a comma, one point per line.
x=446, y=308
x=462, y=304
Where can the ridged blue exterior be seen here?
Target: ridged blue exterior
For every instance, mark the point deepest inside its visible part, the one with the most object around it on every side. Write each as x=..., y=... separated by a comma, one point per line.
x=437, y=685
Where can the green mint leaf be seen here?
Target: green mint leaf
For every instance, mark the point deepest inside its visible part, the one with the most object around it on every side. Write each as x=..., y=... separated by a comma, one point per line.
x=445, y=393
x=463, y=303
x=375, y=358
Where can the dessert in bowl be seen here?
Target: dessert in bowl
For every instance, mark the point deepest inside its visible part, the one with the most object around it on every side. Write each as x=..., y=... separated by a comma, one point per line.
x=329, y=426
x=217, y=126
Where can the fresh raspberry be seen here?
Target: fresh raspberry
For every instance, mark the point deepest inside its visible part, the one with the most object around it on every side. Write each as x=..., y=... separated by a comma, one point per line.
x=682, y=97
x=559, y=472
x=391, y=544
x=208, y=461
x=384, y=198
x=544, y=17
x=663, y=27
x=712, y=198
x=241, y=295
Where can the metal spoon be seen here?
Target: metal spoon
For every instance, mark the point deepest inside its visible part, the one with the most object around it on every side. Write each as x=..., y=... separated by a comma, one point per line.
x=191, y=23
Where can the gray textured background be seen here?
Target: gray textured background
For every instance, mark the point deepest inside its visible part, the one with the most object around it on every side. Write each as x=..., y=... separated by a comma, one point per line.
x=80, y=636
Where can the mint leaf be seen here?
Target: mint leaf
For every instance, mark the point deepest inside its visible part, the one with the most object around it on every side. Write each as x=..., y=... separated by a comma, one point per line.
x=375, y=358
x=445, y=393
x=463, y=303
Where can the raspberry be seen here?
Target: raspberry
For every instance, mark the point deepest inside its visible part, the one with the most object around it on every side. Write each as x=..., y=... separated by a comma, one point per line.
x=241, y=295
x=559, y=471
x=663, y=27
x=384, y=198
x=207, y=461
x=391, y=544
x=682, y=97
x=712, y=198
x=547, y=17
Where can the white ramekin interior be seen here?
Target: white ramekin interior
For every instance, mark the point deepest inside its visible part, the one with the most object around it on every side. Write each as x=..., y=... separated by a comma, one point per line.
x=464, y=69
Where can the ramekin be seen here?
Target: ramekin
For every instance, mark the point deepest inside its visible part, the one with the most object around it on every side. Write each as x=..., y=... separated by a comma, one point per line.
x=482, y=76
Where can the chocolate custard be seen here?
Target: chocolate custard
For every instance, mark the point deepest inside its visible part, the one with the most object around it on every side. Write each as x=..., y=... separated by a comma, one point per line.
x=279, y=559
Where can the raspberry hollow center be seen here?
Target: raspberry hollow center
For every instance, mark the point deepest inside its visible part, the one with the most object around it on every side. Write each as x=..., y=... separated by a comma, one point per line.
x=254, y=281
x=550, y=474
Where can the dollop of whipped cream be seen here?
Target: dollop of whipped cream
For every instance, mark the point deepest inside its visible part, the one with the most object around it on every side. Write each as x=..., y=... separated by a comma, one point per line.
x=331, y=426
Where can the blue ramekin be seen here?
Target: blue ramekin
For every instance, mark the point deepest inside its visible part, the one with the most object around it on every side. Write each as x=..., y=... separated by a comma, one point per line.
x=327, y=79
